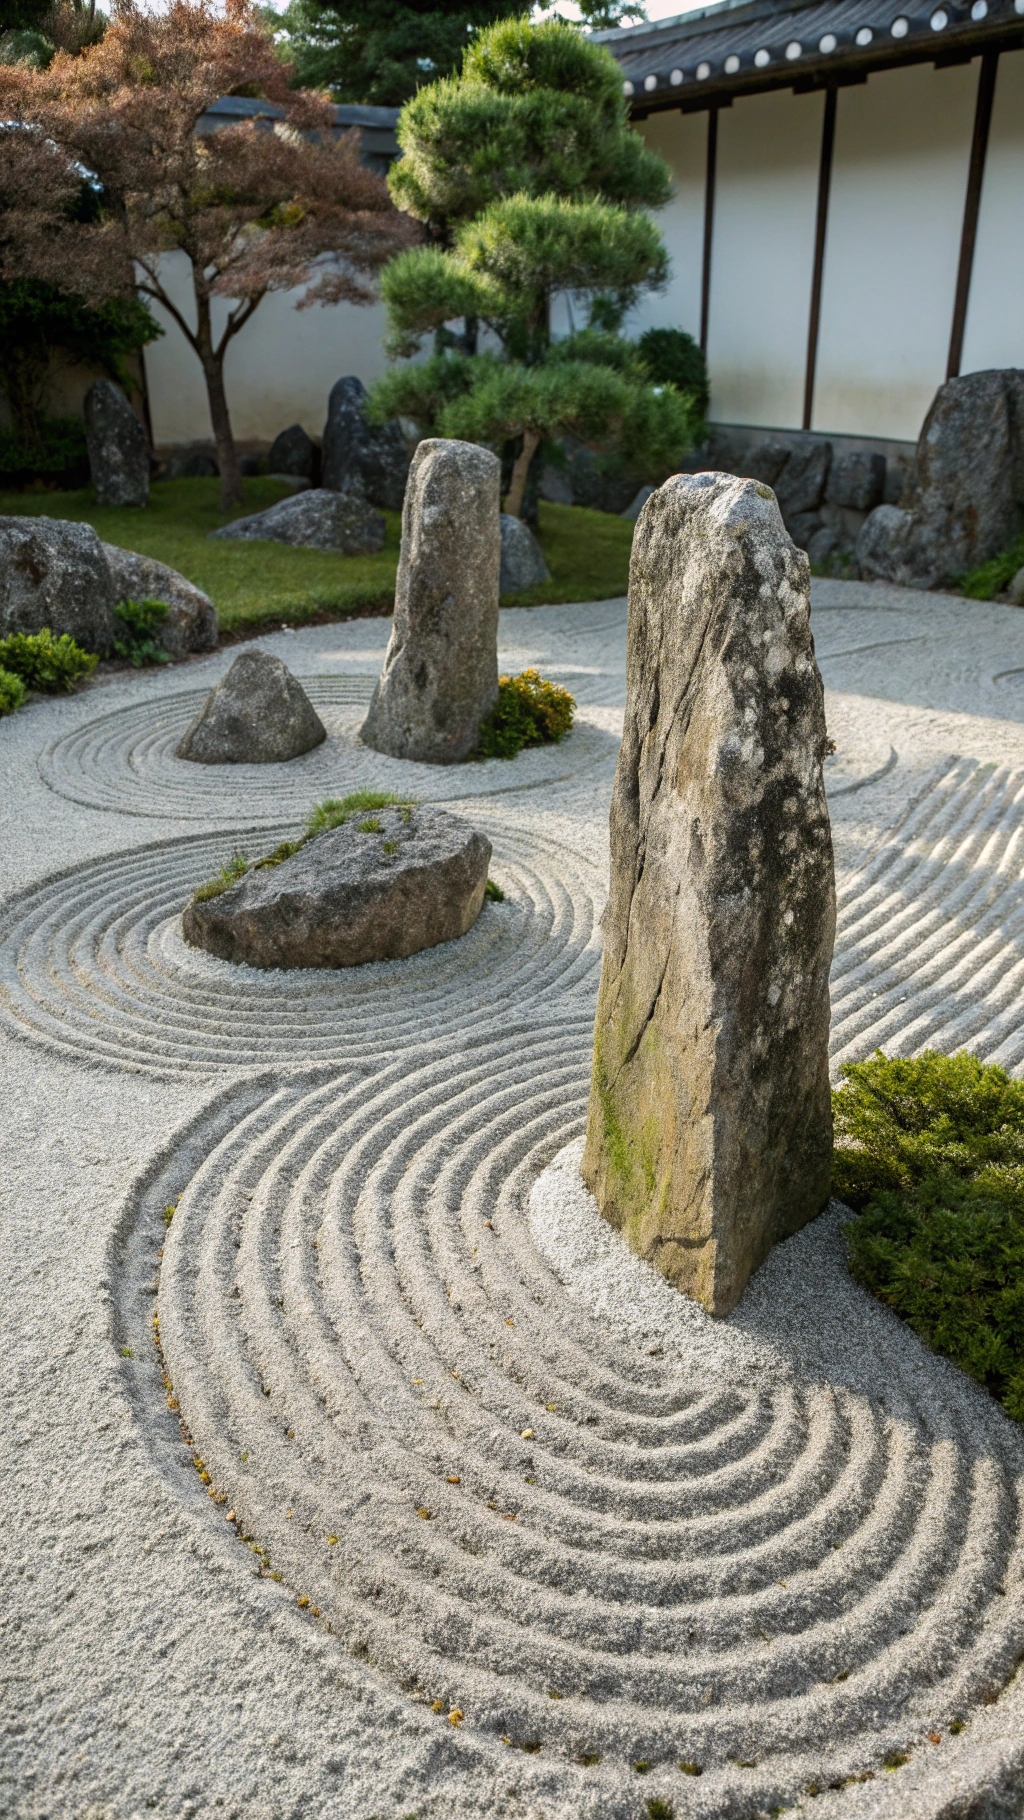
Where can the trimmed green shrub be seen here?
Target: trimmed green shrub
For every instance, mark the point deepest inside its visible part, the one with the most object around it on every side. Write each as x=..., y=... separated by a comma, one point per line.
x=988, y=580
x=136, y=642
x=12, y=691
x=59, y=453
x=529, y=711
x=930, y=1152
x=672, y=357
x=45, y=663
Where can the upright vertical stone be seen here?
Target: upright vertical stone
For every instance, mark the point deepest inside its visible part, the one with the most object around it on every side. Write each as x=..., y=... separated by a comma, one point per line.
x=118, y=450
x=709, y=1133
x=440, y=674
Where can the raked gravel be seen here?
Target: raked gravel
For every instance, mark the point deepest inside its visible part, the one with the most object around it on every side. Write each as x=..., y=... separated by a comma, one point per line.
x=784, y=1547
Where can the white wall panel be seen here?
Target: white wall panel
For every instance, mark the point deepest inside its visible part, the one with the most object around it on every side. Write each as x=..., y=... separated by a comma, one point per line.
x=898, y=182
x=995, y=313
x=681, y=139
x=769, y=148
x=278, y=371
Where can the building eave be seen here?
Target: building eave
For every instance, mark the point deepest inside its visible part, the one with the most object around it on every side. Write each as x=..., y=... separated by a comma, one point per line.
x=771, y=44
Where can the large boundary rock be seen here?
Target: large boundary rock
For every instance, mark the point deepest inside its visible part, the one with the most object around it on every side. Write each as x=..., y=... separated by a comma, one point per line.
x=964, y=502
x=257, y=715
x=191, y=623
x=55, y=573
x=379, y=887
x=358, y=456
x=440, y=674
x=709, y=1131
x=342, y=523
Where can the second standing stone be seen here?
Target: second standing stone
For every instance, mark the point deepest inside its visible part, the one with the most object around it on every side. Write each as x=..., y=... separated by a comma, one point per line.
x=440, y=674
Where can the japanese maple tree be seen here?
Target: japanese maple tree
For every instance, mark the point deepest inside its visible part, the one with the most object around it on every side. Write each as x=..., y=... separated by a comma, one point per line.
x=263, y=205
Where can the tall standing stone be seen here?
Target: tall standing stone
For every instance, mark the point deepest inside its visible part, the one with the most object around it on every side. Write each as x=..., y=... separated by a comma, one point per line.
x=440, y=674
x=118, y=449
x=361, y=457
x=709, y=1133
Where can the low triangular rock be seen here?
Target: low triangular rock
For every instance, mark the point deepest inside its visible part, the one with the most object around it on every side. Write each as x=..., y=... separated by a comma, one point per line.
x=257, y=715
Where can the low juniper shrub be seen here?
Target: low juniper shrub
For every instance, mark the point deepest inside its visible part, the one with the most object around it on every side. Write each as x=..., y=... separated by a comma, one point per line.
x=930, y=1153
x=45, y=663
x=12, y=691
x=138, y=623
x=529, y=711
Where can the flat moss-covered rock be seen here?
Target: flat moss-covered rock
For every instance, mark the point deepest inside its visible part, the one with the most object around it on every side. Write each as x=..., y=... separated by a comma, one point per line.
x=381, y=886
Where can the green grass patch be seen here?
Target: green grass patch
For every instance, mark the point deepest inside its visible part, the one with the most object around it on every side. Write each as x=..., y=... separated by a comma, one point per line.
x=252, y=585
x=587, y=553
x=330, y=814
x=256, y=586
x=930, y=1153
x=529, y=711
x=991, y=577
x=229, y=874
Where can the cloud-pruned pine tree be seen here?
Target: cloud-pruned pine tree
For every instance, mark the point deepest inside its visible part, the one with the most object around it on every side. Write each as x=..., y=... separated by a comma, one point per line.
x=531, y=185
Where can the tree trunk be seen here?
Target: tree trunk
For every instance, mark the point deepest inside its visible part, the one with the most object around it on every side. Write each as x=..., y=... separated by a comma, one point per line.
x=520, y=469
x=24, y=381
x=231, y=493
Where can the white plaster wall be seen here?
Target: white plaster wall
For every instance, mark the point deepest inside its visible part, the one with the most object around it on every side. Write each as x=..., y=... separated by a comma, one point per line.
x=279, y=369
x=762, y=254
x=898, y=182
x=681, y=139
x=994, y=334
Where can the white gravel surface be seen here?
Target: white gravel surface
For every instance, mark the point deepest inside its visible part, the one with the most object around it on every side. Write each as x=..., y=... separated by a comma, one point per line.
x=785, y=1546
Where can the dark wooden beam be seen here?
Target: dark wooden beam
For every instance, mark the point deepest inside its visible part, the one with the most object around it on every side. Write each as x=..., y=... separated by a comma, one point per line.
x=828, y=139
x=709, y=226
x=972, y=205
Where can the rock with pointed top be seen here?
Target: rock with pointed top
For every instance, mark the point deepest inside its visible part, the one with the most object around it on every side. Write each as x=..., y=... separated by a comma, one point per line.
x=709, y=1134
x=257, y=715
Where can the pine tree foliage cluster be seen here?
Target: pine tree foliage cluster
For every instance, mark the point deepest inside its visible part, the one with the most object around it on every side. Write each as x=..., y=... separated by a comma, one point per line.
x=532, y=187
x=380, y=52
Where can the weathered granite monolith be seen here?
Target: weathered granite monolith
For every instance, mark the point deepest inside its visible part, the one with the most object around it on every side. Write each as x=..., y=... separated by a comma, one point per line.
x=440, y=674
x=709, y=1132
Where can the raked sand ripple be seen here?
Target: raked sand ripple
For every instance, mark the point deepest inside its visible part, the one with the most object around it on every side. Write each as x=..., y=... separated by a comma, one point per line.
x=929, y=950
x=125, y=760
x=557, y=1500
x=93, y=963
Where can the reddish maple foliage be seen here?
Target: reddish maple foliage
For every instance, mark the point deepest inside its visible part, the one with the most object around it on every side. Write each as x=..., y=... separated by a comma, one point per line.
x=260, y=206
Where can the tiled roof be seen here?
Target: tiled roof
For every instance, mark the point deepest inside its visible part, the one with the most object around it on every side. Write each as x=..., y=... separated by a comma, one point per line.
x=724, y=50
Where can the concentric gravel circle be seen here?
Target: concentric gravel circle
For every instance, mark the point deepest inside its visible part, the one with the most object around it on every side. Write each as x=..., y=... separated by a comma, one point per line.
x=125, y=760
x=589, y=1547
x=93, y=963
x=930, y=949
